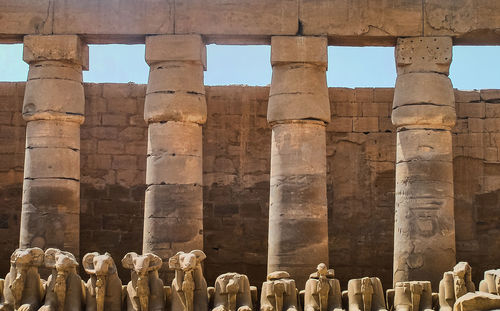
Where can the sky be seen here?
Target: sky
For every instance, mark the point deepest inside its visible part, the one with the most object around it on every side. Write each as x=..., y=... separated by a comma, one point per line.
x=473, y=67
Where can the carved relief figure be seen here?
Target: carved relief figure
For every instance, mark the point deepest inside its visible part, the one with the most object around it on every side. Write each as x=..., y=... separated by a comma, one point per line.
x=104, y=287
x=491, y=282
x=145, y=291
x=365, y=294
x=189, y=288
x=413, y=296
x=279, y=293
x=23, y=289
x=454, y=285
x=322, y=291
x=65, y=290
x=232, y=293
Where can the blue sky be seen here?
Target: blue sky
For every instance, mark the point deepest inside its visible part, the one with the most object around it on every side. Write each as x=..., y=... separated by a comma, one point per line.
x=472, y=68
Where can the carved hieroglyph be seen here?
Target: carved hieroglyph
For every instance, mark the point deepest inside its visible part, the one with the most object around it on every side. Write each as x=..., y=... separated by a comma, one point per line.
x=65, y=290
x=175, y=109
x=298, y=112
x=232, y=293
x=23, y=289
x=189, y=288
x=322, y=292
x=279, y=293
x=366, y=294
x=424, y=113
x=104, y=287
x=145, y=291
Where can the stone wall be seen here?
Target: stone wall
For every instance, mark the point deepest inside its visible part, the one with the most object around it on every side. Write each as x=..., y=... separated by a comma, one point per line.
x=360, y=181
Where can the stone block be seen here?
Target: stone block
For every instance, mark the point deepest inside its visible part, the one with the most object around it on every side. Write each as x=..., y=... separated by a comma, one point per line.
x=124, y=162
x=424, y=54
x=53, y=163
x=477, y=301
x=110, y=147
x=98, y=161
x=383, y=95
x=342, y=95
x=110, y=18
x=114, y=119
x=236, y=17
x=54, y=99
x=177, y=138
x=298, y=49
x=492, y=110
x=21, y=17
x=189, y=48
x=340, y=124
x=132, y=133
x=176, y=77
x=297, y=93
x=122, y=105
x=376, y=109
x=361, y=19
x=464, y=19
x=298, y=149
x=181, y=106
x=476, y=125
x=490, y=95
x=423, y=145
x=365, y=124
x=363, y=94
x=471, y=110
x=69, y=48
x=53, y=134
x=424, y=98
x=466, y=96
x=174, y=169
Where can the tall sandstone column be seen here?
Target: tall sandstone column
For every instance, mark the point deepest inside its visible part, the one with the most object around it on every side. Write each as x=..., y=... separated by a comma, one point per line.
x=298, y=112
x=53, y=108
x=424, y=113
x=175, y=110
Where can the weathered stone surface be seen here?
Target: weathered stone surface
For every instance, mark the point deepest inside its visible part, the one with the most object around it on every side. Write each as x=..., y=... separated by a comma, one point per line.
x=104, y=287
x=414, y=295
x=21, y=17
x=64, y=285
x=366, y=294
x=299, y=49
x=454, y=285
x=472, y=21
x=299, y=77
x=95, y=17
x=232, y=292
x=189, y=287
x=297, y=214
x=279, y=292
x=176, y=48
x=477, y=301
x=51, y=214
x=236, y=17
x=322, y=291
x=69, y=48
x=423, y=54
x=358, y=18
x=145, y=290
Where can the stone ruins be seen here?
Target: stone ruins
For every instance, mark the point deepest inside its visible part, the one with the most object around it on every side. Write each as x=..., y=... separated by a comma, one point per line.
x=237, y=198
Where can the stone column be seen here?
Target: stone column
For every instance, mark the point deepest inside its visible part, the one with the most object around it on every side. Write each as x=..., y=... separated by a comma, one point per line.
x=175, y=110
x=298, y=112
x=424, y=113
x=53, y=108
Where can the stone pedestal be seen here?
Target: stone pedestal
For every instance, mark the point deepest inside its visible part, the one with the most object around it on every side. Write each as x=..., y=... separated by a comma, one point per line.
x=298, y=111
x=53, y=108
x=175, y=110
x=424, y=113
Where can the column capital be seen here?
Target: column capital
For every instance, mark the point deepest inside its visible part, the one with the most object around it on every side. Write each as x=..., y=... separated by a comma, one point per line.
x=67, y=48
x=299, y=49
x=164, y=48
x=424, y=54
